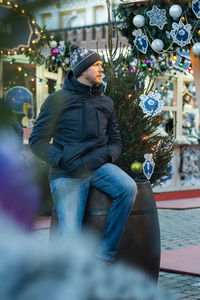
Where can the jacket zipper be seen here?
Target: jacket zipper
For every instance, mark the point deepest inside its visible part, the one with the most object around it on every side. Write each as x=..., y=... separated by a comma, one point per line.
x=84, y=120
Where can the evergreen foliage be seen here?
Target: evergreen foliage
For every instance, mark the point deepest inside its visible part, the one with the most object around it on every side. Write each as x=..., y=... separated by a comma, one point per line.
x=138, y=130
x=127, y=11
x=51, y=62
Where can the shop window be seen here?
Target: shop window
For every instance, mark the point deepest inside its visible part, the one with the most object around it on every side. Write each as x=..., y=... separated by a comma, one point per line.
x=17, y=74
x=180, y=114
x=99, y=14
x=166, y=86
x=46, y=18
x=51, y=86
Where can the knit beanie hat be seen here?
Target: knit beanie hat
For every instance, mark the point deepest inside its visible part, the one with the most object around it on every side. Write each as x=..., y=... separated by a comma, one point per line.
x=81, y=59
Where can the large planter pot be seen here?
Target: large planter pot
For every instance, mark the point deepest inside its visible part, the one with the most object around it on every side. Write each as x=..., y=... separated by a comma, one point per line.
x=140, y=244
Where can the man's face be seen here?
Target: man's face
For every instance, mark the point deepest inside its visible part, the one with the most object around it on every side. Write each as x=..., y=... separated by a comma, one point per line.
x=93, y=75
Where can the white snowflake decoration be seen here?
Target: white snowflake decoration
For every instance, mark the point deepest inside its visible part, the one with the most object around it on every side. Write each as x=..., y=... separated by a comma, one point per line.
x=181, y=34
x=141, y=40
x=151, y=104
x=196, y=8
x=157, y=17
x=45, y=51
x=148, y=165
x=62, y=47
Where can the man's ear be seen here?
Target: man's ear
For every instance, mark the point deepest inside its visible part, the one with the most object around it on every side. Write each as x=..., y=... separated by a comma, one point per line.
x=82, y=74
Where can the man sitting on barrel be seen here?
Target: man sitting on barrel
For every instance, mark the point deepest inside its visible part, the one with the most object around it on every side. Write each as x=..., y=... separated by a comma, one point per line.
x=82, y=124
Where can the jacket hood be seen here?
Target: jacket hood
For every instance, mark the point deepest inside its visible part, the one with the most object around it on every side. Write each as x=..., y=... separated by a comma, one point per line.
x=73, y=85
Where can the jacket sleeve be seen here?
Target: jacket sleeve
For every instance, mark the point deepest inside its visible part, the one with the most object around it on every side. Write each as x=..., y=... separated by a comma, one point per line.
x=43, y=131
x=114, y=138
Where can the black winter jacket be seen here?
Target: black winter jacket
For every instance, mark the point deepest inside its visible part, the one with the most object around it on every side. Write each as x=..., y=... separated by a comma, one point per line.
x=76, y=131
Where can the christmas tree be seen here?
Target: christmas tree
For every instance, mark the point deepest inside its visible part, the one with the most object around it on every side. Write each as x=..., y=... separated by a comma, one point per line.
x=139, y=130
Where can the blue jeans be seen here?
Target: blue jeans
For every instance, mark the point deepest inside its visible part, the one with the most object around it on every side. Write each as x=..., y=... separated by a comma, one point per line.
x=70, y=198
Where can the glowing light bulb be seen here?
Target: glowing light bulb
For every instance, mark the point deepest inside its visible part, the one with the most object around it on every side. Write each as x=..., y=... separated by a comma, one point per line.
x=174, y=58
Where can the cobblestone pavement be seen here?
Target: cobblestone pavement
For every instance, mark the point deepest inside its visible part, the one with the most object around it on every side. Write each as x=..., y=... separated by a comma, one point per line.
x=179, y=228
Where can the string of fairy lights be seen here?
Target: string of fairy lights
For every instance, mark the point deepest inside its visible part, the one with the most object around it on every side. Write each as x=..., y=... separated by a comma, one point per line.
x=27, y=73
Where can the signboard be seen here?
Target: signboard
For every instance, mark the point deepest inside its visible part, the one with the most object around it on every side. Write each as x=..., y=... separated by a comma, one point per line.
x=15, y=29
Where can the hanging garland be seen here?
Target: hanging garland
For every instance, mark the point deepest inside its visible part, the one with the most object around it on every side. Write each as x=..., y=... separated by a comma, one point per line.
x=33, y=78
x=50, y=50
x=43, y=46
x=159, y=27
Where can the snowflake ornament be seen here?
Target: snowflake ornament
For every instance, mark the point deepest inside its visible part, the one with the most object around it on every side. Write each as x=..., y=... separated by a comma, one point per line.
x=45, y=51
x=157, y=17
x=151, y=104
x=148, y=165
x=181, y=34
x=141, y=40
x=196, y=8
x=62, y=47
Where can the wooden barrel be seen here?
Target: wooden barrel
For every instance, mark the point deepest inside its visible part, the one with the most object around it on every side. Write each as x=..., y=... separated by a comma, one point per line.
x=140, y=244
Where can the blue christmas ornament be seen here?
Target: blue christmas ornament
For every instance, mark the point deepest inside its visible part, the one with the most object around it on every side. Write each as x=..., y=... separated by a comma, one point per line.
x=148, y=165
x=62, y=47
x=16, y=98
x=196, y=8
x=151, y=104
x=157, y=17
x=181, y=34
x=141, y=41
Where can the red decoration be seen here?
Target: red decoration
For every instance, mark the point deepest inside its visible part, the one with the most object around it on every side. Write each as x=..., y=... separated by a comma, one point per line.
x=145, y=138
